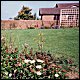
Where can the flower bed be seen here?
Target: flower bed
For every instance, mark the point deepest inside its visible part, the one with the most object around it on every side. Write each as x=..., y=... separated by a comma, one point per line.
x=39, y=65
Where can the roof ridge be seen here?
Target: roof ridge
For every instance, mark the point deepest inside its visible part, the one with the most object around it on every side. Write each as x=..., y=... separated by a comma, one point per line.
x=68, y=3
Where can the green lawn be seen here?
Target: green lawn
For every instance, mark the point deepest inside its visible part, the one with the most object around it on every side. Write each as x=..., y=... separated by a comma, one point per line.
x=58, y=41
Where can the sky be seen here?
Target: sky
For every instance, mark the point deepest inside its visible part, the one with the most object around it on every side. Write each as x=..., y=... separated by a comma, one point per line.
x=10, y=9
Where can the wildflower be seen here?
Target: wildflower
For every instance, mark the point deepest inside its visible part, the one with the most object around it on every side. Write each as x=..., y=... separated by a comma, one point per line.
x=40, y=34
x=16, y=50
x=8, y=57
x=6, y=50
x=59, y=66
x=15, y=70
x=32, y=70
x=22, y=58
x=59, y=72
x=21, y=71
x=11, y=58
x=66, y=75
x=10, y=46
x=19, y=64
x=21, y=54
x=70, y=61
x=26, y=60
x=6, y=73
x=32, y=61
x=2, y=38
x=14, y=58
x=30, y=66
x=39, y=66
x=6, y=61
x=56, y=70
x=52, y=71
x=48, y=76
x=52, y=66
x=38, y=73
x=38, y=60
x=64, y=70
x=10, y=75
x=56, y=75
x=26, y=45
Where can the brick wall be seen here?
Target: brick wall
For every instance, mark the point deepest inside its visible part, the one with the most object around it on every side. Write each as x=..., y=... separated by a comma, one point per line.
x=48, y=17
x=23, y=24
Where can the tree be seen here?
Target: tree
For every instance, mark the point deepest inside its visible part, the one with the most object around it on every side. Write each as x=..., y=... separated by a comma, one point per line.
x=25, y=14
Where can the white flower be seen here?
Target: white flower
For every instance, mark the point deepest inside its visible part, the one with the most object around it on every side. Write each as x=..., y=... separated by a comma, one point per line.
x=59, y=72
x=32, y=61
x=2, y=38
x=15, y=70
x=10, y=46
x=56, y=75
x=27, y=60
x=39, y=66
x=48, y=76
x=21, y=71
x=26, y=45
x=6, y=73
x=30, y=66
x=11, y=58
x=38, y=73
x=38, y=60
x=10, y=75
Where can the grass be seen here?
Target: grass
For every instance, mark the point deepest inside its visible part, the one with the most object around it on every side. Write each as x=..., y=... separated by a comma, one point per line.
x=60, y=42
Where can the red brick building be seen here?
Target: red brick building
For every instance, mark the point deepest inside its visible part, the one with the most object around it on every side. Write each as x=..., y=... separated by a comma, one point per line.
x=66, y=14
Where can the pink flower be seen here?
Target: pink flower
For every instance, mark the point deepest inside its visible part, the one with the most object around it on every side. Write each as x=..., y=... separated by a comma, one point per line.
x=16, y=49
x=14, y=58
x=59, y=66
x=66, y=75
x=64, y=70
x=6, y=50
x=18, y=64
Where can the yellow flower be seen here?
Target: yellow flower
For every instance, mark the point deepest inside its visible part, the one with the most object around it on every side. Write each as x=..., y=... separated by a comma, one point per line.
x=40, y=34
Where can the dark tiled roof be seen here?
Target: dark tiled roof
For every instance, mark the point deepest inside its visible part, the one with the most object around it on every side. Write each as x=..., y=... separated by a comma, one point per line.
x=49, y=11
x=56, y=9
x=64, y=5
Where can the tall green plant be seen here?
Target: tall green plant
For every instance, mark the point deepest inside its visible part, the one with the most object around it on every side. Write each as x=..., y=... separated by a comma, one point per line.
x=40, y=41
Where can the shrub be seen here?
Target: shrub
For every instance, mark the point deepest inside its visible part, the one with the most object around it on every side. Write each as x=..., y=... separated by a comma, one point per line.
x=47, y=27
x=42, y=27
x=31, y=27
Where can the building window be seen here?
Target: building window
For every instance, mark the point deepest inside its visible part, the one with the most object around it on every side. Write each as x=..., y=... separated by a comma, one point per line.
x=70, y=17
x=77, y=17
x=56, y=17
